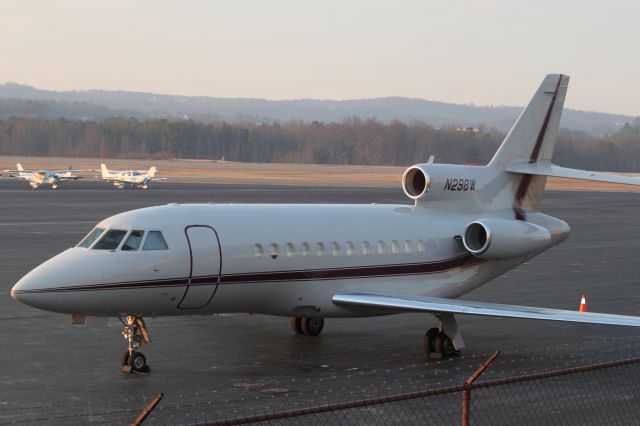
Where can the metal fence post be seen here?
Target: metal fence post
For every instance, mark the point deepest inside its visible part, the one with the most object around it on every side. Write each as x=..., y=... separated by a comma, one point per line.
x=138, y=420
x=466, y=393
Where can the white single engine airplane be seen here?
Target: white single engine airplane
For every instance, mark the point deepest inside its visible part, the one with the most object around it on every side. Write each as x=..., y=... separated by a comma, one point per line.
x=37, y=177
x=137, y=178
x=468, y=225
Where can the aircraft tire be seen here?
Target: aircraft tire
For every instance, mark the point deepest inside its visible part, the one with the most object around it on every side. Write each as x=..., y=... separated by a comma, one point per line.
x=312, y=326
x=448, y=350
x=138, y=362
x=296, y=325
x=429, y=340
x=124, y=359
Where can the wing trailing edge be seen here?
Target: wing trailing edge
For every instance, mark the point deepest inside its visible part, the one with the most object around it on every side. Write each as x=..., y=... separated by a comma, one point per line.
x=399, y=304
x=550, y=169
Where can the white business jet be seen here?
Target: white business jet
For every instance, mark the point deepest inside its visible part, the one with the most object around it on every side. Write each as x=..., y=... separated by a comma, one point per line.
x=138, y=178
x=468, y=224
x=37, y=177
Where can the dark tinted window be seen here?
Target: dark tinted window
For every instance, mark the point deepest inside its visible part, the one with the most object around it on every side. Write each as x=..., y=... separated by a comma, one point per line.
x=111, y=240
x=133, y=241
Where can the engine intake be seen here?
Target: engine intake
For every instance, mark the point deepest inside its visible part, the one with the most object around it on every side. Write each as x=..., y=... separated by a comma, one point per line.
x=416, y=182
x=498, y=239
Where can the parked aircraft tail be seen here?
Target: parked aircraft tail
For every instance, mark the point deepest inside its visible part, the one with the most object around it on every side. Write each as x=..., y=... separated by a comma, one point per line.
x=152, y=171
x=105, y=171
x=526, y=152
x=19, y=167
x=532, y=140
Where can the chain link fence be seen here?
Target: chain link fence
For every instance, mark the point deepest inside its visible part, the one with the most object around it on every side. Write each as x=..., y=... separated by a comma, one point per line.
x=605, y=393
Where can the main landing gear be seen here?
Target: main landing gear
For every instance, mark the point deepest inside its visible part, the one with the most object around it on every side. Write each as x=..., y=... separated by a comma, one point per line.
x=307, y=326
x=136, y=335
x=444, y=341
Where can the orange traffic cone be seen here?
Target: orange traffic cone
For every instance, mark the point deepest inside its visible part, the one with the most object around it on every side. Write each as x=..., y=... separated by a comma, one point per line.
x=583, y=304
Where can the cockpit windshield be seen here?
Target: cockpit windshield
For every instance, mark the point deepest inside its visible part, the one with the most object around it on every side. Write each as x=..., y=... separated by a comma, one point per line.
x=90, y=238
x=132, y=243
x=111, y=240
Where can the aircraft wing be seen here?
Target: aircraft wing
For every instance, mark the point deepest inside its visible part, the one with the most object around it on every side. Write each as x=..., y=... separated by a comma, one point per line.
x=550, y=169
x=24, y=171
x=398, y=304
x=112, y=179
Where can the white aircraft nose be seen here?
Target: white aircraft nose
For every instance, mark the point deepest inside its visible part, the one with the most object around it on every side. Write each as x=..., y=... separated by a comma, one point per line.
x=47, y=286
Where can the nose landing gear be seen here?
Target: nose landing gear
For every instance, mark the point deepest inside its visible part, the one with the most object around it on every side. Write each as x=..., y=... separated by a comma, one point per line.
x=136, y=335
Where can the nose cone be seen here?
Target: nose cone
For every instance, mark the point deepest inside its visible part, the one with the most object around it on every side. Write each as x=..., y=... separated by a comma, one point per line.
x=45, y=286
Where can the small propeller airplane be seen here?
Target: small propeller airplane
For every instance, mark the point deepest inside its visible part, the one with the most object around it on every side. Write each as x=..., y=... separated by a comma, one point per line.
x=138, y=178
x=467, y=225
x=37, y=177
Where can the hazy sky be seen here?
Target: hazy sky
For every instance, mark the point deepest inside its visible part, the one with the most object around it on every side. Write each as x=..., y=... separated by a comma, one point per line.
x=465, y=51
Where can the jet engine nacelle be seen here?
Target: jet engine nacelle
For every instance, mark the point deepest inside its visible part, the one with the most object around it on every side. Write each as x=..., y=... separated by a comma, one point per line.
x=441, y=181
x=498, y=239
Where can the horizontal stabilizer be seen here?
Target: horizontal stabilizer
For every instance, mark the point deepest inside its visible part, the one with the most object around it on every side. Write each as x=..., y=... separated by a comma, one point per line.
x=398, y=304
x=549, y=169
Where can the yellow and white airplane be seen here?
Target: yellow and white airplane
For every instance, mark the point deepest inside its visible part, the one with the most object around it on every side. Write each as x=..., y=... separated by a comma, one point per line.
x=465, y=226
x=37, y=177
x=138, y=178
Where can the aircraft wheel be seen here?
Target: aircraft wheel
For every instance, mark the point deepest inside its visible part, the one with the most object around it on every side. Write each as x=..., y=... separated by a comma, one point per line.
x=138, y=362
x=296, y=325
x=124, y=359
x=428, y=342
x=312, y=326
x=448, y=350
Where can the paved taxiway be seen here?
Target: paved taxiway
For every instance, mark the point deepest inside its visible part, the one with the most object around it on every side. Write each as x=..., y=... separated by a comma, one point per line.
x=51, y=372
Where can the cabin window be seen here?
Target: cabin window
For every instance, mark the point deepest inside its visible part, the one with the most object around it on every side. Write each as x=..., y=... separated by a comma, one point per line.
x=155, y=241
x=366, y=248
x=382, y=247
x=395, y=247
x=274, y=251
x=349, y=248
x=91, y=237
x=335, y=249
x=132, y=243
x=304, y=248
x=257, y=250
x=421, y=247
x=111, y=240
x=408, y=247
x=320, y=249
x=290, y=250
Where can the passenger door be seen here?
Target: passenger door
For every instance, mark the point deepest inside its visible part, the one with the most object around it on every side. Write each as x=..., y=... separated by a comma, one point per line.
x=204, y=276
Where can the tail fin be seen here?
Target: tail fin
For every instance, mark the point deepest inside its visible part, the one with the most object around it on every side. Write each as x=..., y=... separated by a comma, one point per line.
x=19, y=166
x=152, y=171
x=105, y=171
x=532, y=139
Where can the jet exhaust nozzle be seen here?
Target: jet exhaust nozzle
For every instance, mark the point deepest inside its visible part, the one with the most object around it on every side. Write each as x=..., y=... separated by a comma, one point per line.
x=498, y=239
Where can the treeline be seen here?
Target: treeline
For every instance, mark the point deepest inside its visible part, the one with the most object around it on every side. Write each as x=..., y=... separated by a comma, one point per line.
x=353, y=141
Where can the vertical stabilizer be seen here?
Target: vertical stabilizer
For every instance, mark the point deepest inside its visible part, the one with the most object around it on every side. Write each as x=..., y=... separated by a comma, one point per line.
x=19, y=167
x=532, y=139
x=152, y=171
x=105, y=171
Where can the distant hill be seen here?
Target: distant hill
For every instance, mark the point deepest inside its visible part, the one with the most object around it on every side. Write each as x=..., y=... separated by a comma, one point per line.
x=99, y=104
